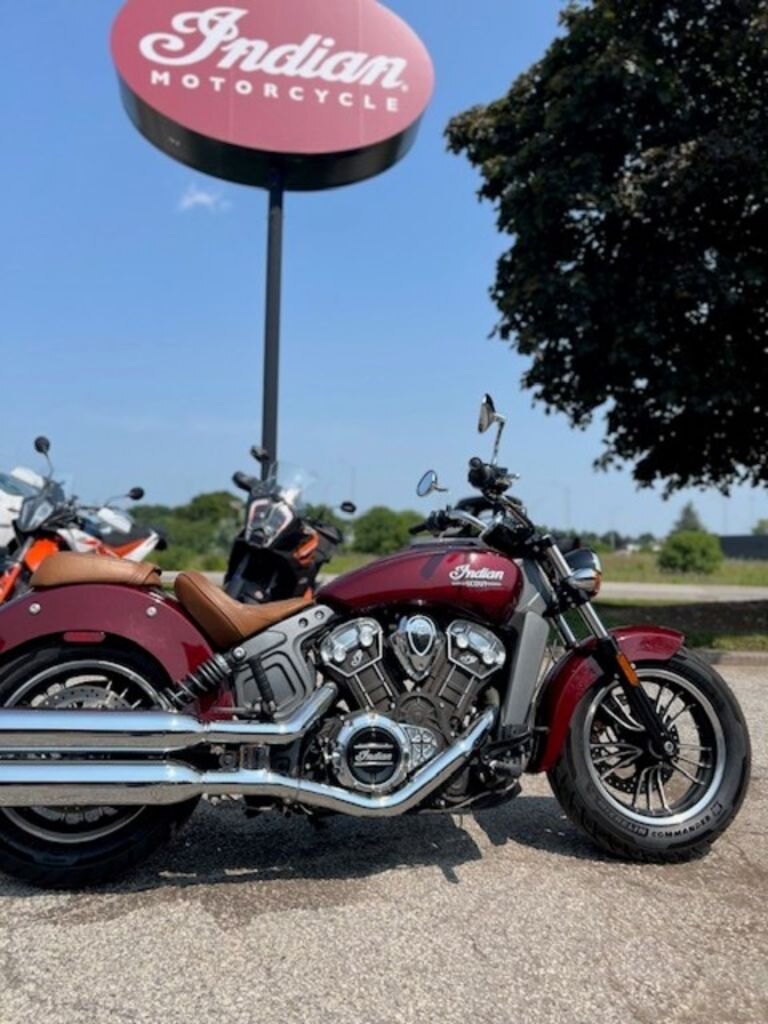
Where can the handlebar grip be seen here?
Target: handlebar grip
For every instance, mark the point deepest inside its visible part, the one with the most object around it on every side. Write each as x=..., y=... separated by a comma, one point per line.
x=243, y=481
x=436, y=523
x=480, y=475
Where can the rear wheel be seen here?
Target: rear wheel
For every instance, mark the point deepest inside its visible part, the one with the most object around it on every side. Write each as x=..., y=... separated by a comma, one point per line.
x=72, y=847
x=656, y=805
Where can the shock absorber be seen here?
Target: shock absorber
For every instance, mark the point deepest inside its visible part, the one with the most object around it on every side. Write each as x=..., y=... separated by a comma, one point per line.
x=204, y=680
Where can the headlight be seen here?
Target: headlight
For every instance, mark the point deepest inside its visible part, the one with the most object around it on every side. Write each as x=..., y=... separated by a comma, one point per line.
x=34, y=512
x=587, y=575
x=267, y=520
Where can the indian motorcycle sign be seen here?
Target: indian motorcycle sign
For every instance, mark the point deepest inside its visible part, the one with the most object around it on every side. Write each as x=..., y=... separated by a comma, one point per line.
x=318, y=92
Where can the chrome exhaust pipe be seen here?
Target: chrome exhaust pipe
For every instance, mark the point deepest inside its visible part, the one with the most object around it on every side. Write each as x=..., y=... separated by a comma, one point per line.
x=109, y=783
x=28, y=731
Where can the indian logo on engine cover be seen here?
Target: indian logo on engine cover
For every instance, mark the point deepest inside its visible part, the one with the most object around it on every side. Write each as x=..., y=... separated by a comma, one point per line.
x=464, y=575
x=373, y=756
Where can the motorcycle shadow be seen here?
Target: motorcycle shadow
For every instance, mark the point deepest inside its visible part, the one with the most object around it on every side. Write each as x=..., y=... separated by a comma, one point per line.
x=221, y=846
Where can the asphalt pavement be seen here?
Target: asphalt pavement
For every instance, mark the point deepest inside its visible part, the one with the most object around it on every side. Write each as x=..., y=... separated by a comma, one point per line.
x=511, y=916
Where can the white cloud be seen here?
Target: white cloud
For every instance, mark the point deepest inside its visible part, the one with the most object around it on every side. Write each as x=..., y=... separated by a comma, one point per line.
x=196, y=197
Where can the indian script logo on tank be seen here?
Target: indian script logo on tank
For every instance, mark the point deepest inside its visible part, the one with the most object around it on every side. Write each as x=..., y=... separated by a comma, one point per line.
x=465, y=576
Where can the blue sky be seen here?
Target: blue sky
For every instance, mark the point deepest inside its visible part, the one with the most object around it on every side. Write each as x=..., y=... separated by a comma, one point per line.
x=132, y=296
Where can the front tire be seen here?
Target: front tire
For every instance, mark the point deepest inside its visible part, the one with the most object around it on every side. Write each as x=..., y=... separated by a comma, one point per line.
x=641, y=806
x=77, y=847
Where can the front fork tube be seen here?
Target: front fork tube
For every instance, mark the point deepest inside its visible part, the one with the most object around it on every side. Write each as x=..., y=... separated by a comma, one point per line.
x=615, y=662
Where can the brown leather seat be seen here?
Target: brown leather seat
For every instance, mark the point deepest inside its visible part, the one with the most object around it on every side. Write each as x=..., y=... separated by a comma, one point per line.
x=224, y=621
x=68, y=568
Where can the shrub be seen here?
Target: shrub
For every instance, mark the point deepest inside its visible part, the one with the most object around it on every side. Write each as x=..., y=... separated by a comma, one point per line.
x=691, y=551
x=380, y=531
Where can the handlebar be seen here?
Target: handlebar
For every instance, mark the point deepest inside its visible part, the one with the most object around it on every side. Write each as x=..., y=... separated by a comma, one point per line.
x=245, y=482
x=435, y=523
x=445, y=518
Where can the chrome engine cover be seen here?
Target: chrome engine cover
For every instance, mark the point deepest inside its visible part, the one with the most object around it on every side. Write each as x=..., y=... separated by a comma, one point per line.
x=475, y=649
x=374, y=754
x=417, y=643
x=354, y=652
x=416, y=663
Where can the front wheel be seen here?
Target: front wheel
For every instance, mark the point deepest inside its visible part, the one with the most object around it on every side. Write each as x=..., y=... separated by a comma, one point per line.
x=648, y=805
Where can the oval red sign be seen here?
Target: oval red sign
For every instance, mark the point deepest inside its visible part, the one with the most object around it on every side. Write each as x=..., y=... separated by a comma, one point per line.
x=321, y=94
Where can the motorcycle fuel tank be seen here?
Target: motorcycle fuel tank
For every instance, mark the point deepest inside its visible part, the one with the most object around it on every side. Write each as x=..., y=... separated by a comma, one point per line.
x=461, y=576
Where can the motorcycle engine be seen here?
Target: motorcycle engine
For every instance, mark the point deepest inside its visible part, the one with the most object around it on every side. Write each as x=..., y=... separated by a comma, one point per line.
x=410, y=693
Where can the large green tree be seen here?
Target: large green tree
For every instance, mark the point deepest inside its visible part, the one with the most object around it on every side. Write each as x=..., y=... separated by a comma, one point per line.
x=630, y=168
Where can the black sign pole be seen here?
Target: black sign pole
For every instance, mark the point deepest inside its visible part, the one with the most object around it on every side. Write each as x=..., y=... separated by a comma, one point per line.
x=272, y=324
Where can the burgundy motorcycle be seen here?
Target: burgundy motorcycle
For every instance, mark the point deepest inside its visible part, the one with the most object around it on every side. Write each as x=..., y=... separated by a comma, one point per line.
x=414, y=684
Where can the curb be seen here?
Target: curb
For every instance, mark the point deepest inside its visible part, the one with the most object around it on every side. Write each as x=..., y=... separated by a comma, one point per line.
x=733, y=659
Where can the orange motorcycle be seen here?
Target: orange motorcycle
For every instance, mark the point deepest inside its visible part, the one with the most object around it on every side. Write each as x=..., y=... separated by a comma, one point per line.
x=49, y=522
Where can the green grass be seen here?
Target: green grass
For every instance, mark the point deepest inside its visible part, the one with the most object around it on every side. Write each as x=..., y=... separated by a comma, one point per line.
x=617, y=568
x=346, y=562
x=642, y=568
x=730, y=626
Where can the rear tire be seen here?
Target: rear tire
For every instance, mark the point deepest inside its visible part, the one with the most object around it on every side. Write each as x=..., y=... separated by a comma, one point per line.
x=625, y=802
x=74, y=848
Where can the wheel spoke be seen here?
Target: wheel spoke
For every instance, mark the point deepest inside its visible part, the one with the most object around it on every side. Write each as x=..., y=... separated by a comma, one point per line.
x=648, y=790
x=661, y=712
x=677, y=714
x=660, y=788
x=624, y=750
x=623, y=744
x=687, y=774
x=638, y=786
x=625, y=760
x=689, y=760
x=623, y=717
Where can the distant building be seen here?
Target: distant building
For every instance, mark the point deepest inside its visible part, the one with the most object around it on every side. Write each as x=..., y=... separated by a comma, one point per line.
x=746, y=546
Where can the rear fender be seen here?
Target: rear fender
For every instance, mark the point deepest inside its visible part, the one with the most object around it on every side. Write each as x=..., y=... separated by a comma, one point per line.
x=578, y=671
x=88, y=613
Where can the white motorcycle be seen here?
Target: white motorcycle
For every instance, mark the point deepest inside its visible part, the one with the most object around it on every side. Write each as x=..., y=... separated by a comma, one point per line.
x=49, y=522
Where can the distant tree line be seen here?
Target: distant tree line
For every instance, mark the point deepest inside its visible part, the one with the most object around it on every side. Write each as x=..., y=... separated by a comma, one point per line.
x=200, y=534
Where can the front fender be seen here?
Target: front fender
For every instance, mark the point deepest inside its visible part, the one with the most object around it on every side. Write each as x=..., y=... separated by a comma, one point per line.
x=89, y=612
x=578, y=671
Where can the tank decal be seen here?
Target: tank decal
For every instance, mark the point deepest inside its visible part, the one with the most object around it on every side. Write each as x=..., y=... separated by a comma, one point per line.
x=474, y=579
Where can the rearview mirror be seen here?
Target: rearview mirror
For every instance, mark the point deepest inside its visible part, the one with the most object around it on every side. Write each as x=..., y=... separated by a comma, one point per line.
x=488, y=418
x=42, y=445
x=428, y=484
x=260, y=454
x=487, y=415
x=136, y=493
x=348, y=507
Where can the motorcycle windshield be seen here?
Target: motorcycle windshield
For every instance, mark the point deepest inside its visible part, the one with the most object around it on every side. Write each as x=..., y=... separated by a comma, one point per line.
x=290, y=483
x=19, y=486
